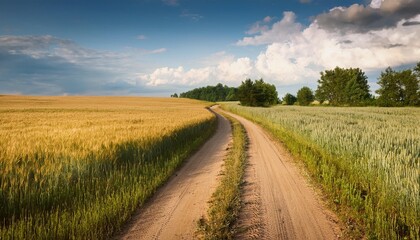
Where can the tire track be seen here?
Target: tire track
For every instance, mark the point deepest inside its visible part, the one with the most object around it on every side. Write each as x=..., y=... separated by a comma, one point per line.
x=173, y=212
x=285, y=206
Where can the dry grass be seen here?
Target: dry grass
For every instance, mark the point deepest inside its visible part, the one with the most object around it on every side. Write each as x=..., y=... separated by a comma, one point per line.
x=76, y=167
x=225, y=203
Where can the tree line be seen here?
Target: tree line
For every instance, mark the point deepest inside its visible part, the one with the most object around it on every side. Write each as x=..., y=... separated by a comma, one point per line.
x=337, y=87
x=349, y=87
x=257, y=93
x=216, y=93
x=250, y=93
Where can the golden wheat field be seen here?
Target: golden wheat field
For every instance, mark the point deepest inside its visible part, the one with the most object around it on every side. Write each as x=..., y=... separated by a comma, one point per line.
x=76, y=167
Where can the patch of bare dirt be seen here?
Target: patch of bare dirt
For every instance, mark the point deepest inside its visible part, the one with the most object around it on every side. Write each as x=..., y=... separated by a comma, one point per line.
x=278, y=202
x=173, y=212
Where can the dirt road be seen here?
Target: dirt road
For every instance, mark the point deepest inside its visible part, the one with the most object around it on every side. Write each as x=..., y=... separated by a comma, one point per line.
x=174, y=210
x=279, y=203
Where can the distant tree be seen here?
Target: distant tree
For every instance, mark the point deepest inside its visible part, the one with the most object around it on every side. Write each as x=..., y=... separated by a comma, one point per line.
x=409, y=88
x=416, y=70
x=356, y=90
x=343, y=87
x=216, y=93
x=175, y=95
x=232, y=95
x=257, y=93
x=398, y=88
x=245, y=93
x=265, y=93
x=289, y=99
x=305, y=96
x=389, y=91
x=220, y=93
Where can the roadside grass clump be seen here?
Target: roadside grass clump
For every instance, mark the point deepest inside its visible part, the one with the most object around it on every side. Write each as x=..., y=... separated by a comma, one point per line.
x=366, y=160
x=225, y=202
x=78, y=167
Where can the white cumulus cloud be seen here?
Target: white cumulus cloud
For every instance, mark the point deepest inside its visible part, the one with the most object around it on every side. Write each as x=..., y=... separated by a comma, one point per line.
x=294, y=54
x=283, y=30
x=234, y=71
x=227, y=70
x=376, y=3
x=175, y=76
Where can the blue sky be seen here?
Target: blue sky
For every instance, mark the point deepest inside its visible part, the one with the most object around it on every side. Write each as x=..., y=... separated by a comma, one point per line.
x=158, y=47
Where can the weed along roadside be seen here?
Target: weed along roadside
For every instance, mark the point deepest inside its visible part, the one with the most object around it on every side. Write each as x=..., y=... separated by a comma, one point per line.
x=365, y=160
x=225, y=203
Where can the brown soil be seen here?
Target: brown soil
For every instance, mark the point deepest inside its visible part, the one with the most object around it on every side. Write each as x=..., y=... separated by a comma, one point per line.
x=173, y=212
x=278, y=202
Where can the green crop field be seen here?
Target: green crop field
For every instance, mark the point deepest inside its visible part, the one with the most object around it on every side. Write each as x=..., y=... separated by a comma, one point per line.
x=366, y=159
x=77, y=167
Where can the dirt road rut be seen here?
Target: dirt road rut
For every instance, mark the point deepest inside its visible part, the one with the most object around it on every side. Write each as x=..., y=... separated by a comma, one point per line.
x=279, y=204
x=174, y=210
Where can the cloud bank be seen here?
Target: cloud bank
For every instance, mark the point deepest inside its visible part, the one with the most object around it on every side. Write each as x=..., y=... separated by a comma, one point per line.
x=54, y=66
x=384, y=33
x=227, y=70
x=376, y=16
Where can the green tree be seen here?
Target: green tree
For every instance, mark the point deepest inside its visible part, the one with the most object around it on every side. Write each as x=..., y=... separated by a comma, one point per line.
x=416, y=70
x=175, y=95
x=257, y=93
x=305, y=96
x=416, y=73
x=232, y=95
x=389, y=91
x=398, y=88
x=245, y=93
x=343, y=87
x=219, y=92
x=265, y=94
x=409, y=84
x=356, y=91
x=216, y=93
x=289, y=99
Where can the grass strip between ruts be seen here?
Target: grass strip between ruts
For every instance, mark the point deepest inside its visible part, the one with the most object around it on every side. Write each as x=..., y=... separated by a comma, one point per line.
x=225, y=203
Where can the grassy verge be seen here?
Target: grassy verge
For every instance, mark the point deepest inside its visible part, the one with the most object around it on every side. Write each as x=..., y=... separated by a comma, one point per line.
x=322, y=167
x=363, y=189
x=225, y=203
